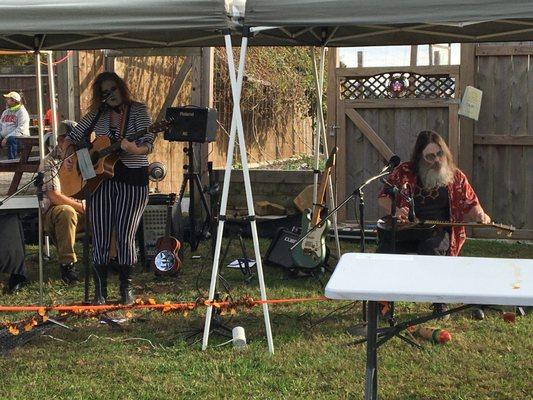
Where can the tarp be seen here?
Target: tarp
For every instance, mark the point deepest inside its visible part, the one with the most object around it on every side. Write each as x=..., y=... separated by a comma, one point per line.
x=111, y=24
x=388, y=22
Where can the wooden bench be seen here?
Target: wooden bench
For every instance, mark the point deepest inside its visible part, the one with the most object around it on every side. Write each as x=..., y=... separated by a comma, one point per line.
x=24, y=164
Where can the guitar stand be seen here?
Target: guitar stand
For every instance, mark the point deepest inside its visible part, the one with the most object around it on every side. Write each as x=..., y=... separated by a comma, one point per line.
x=192, y=178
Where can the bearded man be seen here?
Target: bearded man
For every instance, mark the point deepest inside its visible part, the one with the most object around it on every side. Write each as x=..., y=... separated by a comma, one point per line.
x=440, y=191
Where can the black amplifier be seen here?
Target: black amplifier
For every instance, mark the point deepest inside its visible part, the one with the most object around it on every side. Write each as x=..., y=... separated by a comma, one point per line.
x=191, y=124
x=279, y=251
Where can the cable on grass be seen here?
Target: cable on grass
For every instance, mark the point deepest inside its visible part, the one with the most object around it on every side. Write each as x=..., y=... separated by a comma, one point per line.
x=93, y=336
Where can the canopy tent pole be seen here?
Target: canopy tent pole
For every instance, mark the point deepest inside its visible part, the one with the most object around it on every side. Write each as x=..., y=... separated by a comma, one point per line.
x=319, y=85
x=41, y=155
x=318, y=127
x=237, y=128
x=52, y=89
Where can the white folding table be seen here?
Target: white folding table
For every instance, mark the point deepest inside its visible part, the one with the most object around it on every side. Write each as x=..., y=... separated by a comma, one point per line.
x=20, y=203
x=435, y=279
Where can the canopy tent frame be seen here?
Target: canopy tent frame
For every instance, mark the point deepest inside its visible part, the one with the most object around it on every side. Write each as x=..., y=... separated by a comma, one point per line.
x=236, y=79
x=135, y=29
x=331, y=39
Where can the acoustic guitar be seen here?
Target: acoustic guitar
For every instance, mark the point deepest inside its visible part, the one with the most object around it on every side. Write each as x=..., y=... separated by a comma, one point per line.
x=166, y=260
x=104, y=155
x=311, y=253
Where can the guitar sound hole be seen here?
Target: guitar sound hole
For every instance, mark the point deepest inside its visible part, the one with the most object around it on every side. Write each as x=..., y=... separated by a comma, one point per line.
x=164, y=261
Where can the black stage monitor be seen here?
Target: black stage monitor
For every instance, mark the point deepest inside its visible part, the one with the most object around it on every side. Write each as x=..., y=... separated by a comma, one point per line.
x=191, y=124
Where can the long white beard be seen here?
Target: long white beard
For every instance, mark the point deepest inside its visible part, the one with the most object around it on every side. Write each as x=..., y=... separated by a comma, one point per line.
x=434, y=178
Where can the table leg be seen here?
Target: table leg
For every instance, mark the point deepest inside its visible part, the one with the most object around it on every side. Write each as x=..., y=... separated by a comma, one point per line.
x=371, y=377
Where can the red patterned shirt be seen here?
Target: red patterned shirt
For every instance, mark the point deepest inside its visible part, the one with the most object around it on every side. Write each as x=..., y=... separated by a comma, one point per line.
x=462, y=199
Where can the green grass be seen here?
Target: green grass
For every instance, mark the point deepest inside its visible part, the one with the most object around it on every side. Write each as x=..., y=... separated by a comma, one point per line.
x=485, y=360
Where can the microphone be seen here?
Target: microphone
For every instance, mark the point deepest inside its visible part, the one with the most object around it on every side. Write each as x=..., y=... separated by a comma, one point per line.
x=393, y=163
x=411, y=201
x=108, y=93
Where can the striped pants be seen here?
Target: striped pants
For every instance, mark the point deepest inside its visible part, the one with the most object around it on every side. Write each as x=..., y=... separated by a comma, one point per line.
x=116, y=206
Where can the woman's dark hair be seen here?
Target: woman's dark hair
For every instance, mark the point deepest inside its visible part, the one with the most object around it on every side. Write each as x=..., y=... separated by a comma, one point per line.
x=97, y=91
x=424, y=138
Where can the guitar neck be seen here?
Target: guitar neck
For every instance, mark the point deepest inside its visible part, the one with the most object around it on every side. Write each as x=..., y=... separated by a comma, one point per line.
x=171, y=200
x=321, y=193
x=116, y=146
x=467, y=224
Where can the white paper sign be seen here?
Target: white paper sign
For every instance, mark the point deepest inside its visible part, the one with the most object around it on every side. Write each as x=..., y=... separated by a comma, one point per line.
x=85, y=164
x=471, y=103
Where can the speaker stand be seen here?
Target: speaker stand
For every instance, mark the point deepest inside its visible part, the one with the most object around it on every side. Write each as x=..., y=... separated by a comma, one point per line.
x=192, y=179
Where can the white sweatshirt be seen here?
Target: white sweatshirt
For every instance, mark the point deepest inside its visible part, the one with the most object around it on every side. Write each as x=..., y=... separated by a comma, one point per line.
x=15, y=122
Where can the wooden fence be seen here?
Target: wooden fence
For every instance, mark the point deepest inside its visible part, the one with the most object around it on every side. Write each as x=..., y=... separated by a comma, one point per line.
x=502, y=156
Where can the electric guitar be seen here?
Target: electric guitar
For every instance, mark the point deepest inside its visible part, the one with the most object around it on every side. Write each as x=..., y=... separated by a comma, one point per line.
x=311, y=253
x=166, y=260
x=104, y=155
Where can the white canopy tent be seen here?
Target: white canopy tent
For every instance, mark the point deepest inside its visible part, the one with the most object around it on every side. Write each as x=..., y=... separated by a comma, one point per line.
x=40, y=25
x=388, y=22
x=101, y=24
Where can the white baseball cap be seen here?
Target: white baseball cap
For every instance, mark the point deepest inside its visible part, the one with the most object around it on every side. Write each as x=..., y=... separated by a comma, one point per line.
x=13, y=95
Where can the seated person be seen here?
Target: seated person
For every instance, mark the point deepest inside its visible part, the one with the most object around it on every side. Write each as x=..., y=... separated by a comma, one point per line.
x=15, y=121
x=441, y=192
x=63, y=216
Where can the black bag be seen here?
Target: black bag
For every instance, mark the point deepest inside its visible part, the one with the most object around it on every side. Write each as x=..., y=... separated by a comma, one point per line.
x=12, y=244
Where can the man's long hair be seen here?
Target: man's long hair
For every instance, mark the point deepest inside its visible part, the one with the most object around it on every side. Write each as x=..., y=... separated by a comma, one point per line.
x=424, y=138
x=125, y=93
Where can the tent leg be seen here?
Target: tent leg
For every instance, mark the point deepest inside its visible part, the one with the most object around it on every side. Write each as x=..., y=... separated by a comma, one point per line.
x=236, y=128
x=52, y=87
x=316, y=144
x=41, y=154
x=319, y=84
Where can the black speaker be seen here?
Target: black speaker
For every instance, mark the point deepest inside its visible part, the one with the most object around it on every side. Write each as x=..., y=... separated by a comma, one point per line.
x=191, y=124
x=279, y=251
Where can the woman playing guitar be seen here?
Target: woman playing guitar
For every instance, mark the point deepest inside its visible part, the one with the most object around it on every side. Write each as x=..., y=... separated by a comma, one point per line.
x=118, y=203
